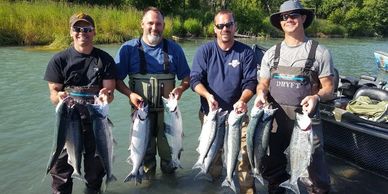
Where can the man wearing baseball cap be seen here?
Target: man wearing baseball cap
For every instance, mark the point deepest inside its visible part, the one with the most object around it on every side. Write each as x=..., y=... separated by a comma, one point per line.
x=295, y=75
x=80, y=72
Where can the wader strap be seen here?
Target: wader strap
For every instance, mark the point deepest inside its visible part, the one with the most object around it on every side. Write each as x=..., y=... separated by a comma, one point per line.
x=277, y=56
x=311, y=57
x=143, y=63
x=166, y=64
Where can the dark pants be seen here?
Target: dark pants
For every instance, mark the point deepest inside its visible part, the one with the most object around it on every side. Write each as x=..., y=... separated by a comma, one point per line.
x=157, y=144
x=61, y=172
x=275, y=165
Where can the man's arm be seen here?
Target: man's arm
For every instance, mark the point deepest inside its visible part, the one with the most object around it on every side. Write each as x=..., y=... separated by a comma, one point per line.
x=241, y=104
x=202, y=91
x=109, y=86
x=325, y=93
x=56, y=92
x=134, y=98
x=185, y=83
x=261, y=92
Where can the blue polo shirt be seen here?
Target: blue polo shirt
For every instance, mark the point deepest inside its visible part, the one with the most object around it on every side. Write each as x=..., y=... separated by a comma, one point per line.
x=128, y=60
x=225, y=74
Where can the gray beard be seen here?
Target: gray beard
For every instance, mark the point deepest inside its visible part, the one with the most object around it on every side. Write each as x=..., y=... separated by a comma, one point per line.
x=153, y=40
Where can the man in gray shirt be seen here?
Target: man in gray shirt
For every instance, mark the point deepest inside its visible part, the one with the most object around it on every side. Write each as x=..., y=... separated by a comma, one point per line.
x=296, y=73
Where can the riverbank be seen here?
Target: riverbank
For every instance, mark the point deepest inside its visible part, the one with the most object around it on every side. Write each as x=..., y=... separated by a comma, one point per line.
x=45, y=23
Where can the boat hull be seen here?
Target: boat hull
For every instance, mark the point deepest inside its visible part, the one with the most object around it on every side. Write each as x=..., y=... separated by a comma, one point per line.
x=356, y=140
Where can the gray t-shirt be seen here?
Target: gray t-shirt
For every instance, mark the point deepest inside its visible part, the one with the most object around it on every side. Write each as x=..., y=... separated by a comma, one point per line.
x=296, y=56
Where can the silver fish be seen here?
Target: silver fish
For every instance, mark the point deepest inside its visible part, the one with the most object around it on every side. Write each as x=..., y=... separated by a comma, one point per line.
x=139, y=142
x=257, y=143
x=62, y=120
x=206, y=137
x=232, y=147
x=74, y=144
x=300, y=151
x=215, y=146
x=103, y=137
x=173, y=128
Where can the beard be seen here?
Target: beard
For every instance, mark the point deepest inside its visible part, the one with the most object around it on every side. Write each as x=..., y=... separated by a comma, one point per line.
x=153, y=39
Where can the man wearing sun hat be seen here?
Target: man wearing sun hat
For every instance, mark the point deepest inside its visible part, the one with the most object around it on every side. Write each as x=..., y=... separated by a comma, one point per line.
x=295, y=74
x=86, y=71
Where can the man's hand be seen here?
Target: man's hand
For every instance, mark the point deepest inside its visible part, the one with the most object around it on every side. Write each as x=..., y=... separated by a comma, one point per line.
x=260, y=100
x=240, y=106
x=62, y=95
x=213, y=104
x=105, y=95
x=135, y=99
x=309, y=103
x=178, y=92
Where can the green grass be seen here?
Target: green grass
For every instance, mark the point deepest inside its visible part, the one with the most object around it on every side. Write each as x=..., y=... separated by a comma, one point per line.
x=47, y=23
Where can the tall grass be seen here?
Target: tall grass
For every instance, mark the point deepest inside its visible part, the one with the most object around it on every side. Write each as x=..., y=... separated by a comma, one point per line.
x=47, y=23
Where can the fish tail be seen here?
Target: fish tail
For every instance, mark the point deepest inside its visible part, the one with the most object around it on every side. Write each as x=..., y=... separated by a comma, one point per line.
x=111, y=178
x=78, y=176
x=202, y=175
x=288, y=185
x=230, y=184
x=256, y=174
x=130, y=177
x=197, y=165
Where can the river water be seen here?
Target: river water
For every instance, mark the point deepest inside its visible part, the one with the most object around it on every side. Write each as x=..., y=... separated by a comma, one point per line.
x=27, y=123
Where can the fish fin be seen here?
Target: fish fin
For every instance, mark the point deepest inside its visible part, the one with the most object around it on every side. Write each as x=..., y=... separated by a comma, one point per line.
x=202, y=175
x=229, y=184
x=110, y=179
x=130, y=177
x=197, y=165
x=79, y=177
x=288, y=185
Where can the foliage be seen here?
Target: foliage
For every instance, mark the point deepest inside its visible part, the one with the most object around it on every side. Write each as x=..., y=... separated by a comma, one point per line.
x=45, y=22
x=192, y=26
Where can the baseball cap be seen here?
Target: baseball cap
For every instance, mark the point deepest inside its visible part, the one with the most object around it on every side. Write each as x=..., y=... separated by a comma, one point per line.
x=81, y=17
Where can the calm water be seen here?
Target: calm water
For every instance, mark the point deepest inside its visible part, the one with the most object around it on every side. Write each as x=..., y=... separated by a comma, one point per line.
x=27, y=119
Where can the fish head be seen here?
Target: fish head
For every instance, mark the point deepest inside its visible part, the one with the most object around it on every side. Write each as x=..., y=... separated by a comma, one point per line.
x=142, y=112
x=171, y=103
x=303, y=121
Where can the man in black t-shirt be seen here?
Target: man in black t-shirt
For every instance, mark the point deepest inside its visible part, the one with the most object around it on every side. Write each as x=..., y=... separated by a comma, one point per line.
x=86, y=71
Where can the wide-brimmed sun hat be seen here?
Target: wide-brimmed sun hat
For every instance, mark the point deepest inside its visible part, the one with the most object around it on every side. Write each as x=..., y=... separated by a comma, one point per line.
x=292, y=5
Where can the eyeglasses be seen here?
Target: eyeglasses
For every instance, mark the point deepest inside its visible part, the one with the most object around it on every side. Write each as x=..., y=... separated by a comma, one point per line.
x=293, y=15
x=82, y=29
x=227, y=25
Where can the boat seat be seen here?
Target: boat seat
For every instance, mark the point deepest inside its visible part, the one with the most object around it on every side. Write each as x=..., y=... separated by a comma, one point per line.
x=373, y=93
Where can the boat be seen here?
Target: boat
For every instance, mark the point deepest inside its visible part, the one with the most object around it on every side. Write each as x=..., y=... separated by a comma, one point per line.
x=381, y=59
x=357, y=140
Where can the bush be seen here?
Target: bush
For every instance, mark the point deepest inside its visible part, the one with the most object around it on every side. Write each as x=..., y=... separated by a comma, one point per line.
x=192, y=26
x=177, y=27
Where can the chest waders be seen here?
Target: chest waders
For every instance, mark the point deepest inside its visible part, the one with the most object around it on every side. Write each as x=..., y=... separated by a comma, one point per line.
x=288, y=87
x=151, y=87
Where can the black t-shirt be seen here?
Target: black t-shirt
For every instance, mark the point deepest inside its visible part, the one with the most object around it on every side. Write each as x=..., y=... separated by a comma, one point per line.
x=72, y=68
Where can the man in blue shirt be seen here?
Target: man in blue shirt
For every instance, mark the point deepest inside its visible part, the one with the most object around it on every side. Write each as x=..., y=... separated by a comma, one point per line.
x=151, y=63
x=224, y=75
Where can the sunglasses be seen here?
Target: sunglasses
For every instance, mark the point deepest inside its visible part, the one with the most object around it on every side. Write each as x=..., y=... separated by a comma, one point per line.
x=293, y=15
x=227, y=25
x=82, y=29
